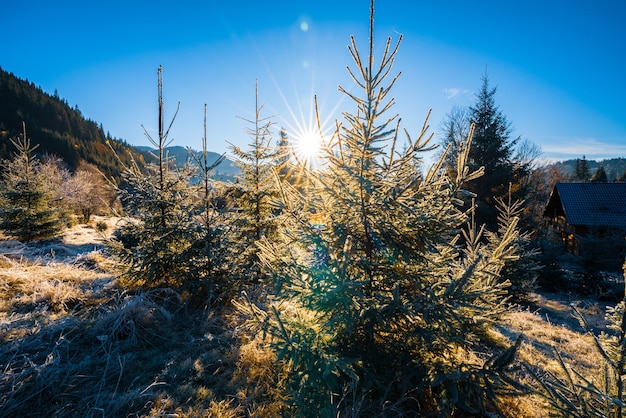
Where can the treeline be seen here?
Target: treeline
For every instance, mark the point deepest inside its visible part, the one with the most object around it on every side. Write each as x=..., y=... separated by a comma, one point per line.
x=582, y=169
x=58, y=129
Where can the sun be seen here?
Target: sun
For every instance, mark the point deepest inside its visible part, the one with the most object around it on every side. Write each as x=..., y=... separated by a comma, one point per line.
x=308, y=145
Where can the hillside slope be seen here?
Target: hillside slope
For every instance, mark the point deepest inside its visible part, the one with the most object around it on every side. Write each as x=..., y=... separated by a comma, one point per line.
x=56, y=128
x=77, y=344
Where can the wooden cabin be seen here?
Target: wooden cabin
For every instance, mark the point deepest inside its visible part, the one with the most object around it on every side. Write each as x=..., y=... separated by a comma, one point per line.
x=591, y=219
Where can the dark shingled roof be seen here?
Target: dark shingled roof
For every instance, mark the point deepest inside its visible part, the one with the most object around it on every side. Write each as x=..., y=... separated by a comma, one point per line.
x=589, y=204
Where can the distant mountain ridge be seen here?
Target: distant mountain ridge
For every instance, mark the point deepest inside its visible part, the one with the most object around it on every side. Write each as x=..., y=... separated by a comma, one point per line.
x=62, y=131
x=227, y=170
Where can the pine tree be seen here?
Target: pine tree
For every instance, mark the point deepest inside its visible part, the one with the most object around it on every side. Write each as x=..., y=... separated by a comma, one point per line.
x=377, y=303
x=284, y=166
x=160, y=228
x=26, y=207
x=493, y=147
x=257, y=190
x=523, y=271
x=582, y=169
x=210, y=255
x=599, y=176
x=283, y=149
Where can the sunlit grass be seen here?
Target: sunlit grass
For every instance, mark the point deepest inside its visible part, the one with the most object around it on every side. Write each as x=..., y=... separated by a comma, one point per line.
x=63, y=313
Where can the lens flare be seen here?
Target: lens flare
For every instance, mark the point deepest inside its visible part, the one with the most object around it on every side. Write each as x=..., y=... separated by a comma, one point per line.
x=307, y=144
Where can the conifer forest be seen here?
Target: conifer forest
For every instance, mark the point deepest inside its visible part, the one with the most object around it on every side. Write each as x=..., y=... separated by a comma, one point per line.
x=361, y=281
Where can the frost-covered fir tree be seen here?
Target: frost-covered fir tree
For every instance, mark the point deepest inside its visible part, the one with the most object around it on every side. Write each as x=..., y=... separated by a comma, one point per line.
x=379, y=309
x=26, y=208
x=210, y=255
x=160, y=226
x=523, y=271
x=256, y=183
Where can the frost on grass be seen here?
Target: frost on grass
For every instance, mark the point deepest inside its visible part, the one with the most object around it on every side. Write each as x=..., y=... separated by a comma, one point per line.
x=74, y=343
x=53, y=276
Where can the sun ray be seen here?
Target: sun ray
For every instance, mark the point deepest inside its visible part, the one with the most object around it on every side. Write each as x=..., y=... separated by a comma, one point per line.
x=307, y=137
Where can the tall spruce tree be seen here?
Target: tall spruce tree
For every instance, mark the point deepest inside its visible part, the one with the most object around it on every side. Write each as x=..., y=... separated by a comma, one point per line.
x=493, y=148
x=581, y=170
x=378, y=307
x=507, y=161
x=26, y=208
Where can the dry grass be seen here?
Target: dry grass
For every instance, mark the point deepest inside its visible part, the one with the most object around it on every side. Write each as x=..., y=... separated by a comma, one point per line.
x=554, y=326
x=551, y=325
x=76, y=344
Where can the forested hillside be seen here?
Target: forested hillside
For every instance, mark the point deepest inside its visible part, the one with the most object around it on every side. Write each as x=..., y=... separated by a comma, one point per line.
x=614, y=167
x=57, y=128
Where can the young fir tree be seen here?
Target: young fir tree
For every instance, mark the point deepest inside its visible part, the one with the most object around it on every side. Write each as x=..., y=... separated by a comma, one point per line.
x=210, y=256
x=522, y=272
x=26, y=207
x=283, y=151
x=286, y=160
x=160, y=203
x=379, y=308
x=255, y=219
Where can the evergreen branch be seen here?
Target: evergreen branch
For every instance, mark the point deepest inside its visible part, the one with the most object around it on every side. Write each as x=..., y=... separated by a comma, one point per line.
x=354, y=53
x=356, y=99
x=167, y=132
x=387, y=61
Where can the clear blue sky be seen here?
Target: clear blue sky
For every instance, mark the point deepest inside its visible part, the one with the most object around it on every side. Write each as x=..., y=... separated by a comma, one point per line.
x=559, y=66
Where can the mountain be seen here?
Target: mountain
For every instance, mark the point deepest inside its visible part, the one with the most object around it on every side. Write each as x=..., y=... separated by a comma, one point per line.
x=62, y=131
x=56, y=128
x=226, y=171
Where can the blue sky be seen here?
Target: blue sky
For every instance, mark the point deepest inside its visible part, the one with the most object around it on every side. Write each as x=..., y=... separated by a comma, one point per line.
x=559, y=66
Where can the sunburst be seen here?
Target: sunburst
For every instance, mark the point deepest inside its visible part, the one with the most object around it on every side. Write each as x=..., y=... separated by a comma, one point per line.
x=308, y=145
